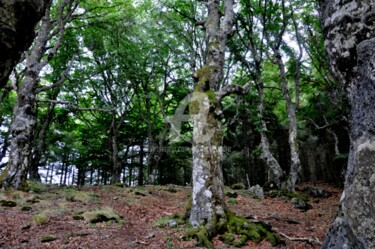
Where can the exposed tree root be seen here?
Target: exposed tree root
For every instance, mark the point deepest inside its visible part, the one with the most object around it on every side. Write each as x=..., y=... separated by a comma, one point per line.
x=233, y=230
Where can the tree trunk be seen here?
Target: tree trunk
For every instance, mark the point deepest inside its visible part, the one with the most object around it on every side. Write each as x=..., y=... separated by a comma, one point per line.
x=349, y=31
x=295, y=167
x=41, y=144
x=276, y=173
x=140, y=170
x=18, y=19
x=24, y=119
x=207, y=150
x=116, y=166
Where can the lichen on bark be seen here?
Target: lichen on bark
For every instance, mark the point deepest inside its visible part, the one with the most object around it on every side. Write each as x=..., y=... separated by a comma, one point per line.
x=350, y=43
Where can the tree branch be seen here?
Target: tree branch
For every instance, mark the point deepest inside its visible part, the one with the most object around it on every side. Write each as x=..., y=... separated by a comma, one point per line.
x=70, y=104
x=309, y=240
x=232, y=89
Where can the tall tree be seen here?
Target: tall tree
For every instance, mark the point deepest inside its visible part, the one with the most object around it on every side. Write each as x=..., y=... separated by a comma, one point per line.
x=349, y=31
x=48, y=41
x=205, y=109
x=18, y=19
x=254, y=45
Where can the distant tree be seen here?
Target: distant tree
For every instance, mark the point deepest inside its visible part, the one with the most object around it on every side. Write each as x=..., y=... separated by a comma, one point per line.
x=349, y=32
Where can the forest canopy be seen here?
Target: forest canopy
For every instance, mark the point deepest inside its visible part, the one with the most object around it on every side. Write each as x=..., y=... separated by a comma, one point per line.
x=111, y=103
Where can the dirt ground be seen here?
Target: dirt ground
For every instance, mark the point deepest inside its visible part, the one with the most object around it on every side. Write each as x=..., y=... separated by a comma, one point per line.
x=47, y=218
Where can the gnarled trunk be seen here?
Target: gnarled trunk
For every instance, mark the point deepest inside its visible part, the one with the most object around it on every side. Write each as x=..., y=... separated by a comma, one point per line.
x=349, y=31
x=208, y=184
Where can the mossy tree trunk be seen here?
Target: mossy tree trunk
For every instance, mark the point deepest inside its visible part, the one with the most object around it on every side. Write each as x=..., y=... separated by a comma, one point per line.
x=349, y=31
x=208, y=198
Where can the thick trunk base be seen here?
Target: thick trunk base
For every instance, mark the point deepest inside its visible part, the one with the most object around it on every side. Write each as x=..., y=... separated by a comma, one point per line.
x=232, y=230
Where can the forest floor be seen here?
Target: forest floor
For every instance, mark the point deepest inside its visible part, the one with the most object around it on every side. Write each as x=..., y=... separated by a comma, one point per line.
x=54, y=217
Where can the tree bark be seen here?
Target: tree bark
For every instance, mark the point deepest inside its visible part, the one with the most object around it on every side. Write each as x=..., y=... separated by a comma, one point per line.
x=18, y=19
x=295, y=167
x=349, y=31
x=276, y=173
x=207, y=150
x=140, y=169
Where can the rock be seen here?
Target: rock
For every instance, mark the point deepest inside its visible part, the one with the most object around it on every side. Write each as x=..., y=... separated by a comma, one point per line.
x=257, y=190
x=300, y=204
x=317, y=192
x=172, y=223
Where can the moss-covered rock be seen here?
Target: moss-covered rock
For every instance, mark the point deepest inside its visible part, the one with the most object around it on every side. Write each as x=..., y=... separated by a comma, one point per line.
x=102, y=214
x=237, y=186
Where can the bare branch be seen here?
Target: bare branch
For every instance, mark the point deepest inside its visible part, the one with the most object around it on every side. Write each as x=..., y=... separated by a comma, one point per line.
x=59, y=82
x=232, y=89
x=200, y=23
x=309, y=240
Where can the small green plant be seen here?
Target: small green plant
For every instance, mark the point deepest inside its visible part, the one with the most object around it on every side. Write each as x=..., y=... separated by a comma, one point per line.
x=40, y=218
x=170, y=244
x=232, y=201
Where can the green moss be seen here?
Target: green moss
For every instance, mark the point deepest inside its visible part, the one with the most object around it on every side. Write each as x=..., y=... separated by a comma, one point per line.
x=102, y=214
x=227, y=238
x=289, y=194
x=48, y=239
x=237, y=186
x=211, y=94
x=194, y=107
x=73, y=195
x=37, y=187
x=232, y=201
x=3, y=174
x=24, y=186
x=233, y=230
x=204, y=238
x=40, y=218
